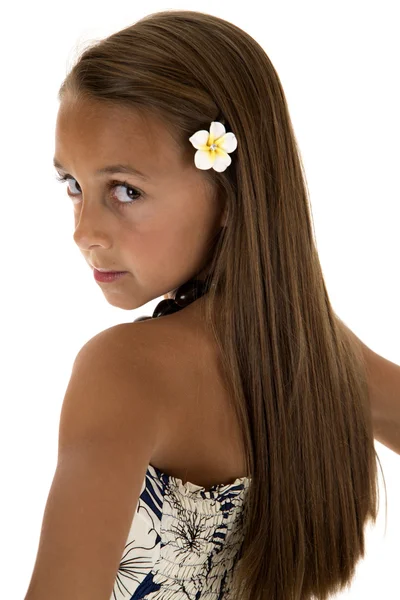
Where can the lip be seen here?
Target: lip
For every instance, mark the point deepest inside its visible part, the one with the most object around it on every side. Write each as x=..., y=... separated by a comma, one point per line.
x=106, y=270
x=107, y=276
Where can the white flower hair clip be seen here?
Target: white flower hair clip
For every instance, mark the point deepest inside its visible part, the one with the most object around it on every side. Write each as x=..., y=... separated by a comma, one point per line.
x=213, y=147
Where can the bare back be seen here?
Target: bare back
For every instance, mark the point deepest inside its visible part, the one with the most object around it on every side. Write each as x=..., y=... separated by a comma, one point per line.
x=202, y=442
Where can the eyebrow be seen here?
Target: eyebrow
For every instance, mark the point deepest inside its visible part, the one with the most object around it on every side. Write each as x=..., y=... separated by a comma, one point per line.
x=118, y=168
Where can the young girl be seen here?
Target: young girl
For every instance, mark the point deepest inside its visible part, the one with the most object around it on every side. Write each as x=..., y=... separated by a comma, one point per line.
x=222, y=447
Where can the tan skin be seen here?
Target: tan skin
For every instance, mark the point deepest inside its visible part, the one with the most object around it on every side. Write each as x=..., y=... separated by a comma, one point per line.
x=161, y=240
x=384, y=392
x=162, y=243
x=178, y=211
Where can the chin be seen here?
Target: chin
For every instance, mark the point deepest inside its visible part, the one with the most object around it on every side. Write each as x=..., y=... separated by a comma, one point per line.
x=124, y=303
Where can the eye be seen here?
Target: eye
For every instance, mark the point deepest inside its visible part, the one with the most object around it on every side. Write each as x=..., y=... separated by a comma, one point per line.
x=110, y=185
x=65, y=178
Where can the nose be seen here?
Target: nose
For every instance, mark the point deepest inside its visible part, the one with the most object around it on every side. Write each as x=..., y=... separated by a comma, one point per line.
x=91, y=226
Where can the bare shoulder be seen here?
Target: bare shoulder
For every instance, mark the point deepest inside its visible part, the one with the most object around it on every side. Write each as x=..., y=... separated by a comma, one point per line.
x=170, y=343
x=151, y=351
x=169, y=356
x=108, y=397
x=138, y=344
x=130, y=352
x=166, y=356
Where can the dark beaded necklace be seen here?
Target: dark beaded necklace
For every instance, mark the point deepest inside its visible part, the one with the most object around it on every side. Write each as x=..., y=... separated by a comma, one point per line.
x=186, y=294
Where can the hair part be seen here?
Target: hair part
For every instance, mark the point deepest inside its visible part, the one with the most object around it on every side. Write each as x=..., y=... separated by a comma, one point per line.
x=297, y=382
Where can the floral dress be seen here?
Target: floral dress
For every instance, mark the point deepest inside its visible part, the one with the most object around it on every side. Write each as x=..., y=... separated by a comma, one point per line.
x=184, y=541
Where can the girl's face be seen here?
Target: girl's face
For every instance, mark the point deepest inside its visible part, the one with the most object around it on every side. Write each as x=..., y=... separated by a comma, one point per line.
x=158, y=227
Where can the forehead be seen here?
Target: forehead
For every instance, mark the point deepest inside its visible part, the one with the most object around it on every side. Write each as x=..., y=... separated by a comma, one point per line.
x=98, y=132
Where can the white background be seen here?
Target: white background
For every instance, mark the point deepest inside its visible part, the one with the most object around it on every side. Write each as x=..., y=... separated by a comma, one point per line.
x=339, y=66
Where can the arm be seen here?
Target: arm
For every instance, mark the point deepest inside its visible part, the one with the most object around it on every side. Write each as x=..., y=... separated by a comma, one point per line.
x=384, y=389
x=109, y=427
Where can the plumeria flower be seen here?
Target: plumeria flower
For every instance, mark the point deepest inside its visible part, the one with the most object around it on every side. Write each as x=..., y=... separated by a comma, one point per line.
x=213, y=147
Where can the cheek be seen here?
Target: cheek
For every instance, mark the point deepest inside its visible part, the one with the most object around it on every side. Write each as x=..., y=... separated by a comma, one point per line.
x=172, y=250
x=181, y=252
x=152, y=251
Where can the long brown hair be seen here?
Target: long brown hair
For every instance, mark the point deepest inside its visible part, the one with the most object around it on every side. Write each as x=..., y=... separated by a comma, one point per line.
x=297, y=382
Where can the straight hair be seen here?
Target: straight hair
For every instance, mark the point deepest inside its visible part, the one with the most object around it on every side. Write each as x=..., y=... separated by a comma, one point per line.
x=297, y=382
